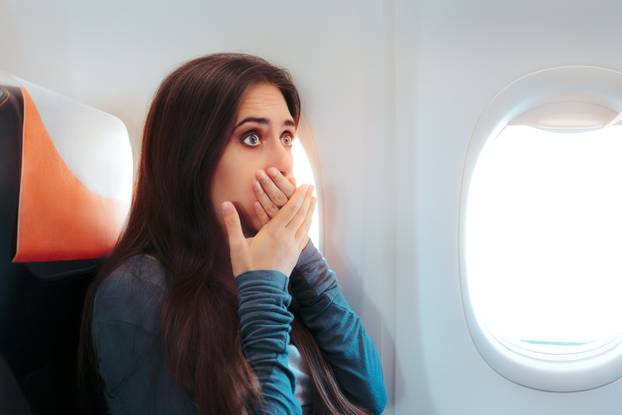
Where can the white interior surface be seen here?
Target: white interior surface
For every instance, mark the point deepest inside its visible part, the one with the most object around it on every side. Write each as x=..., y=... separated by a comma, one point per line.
x=392, y=91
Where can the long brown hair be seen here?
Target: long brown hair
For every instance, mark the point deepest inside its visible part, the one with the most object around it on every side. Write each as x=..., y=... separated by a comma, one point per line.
x=186, y=130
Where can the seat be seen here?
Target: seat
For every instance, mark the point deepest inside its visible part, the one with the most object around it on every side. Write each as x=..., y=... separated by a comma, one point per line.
x=12, y=400
x=58, y=220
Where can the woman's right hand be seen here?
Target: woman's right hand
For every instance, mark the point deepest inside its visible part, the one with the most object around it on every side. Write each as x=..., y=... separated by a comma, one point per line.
x=278, y=243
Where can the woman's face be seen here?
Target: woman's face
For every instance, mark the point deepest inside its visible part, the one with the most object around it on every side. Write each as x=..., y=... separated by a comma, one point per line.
x=262, y=138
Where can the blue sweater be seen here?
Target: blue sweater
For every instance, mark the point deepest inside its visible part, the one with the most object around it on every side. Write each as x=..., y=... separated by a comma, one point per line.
x=125, y=329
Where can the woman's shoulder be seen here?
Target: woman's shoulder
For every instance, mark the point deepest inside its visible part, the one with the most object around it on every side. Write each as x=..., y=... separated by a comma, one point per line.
x=132, y=293
x=139, y=270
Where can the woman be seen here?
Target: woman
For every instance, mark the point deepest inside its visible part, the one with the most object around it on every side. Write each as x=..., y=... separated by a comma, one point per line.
x=192, y=311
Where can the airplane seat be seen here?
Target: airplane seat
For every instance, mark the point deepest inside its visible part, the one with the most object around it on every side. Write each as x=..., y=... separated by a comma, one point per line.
x=65, y=181
x=12, y=400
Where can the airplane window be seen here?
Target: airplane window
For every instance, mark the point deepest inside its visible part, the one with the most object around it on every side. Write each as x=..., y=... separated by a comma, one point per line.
x=304, y=174
x=543, y=234
x=540, y=230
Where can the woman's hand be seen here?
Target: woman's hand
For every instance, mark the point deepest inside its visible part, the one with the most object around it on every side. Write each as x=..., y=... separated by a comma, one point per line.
x=272, y=191
x=278, y=243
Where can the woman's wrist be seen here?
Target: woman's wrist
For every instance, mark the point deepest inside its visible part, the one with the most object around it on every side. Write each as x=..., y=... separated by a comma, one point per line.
x=306, y=256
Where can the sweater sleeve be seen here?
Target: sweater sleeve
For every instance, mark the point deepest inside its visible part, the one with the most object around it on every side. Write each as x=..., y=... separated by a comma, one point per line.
x=338, y=330
x=265, y=325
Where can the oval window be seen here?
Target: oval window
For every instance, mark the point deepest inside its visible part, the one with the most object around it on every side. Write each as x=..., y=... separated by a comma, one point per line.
x=541, y=239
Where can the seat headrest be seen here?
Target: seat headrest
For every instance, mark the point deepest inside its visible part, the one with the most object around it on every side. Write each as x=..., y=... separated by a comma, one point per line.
x=76, y=175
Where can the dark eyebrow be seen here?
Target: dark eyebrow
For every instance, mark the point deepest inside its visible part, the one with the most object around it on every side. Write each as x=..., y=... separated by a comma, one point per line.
x=261, y=120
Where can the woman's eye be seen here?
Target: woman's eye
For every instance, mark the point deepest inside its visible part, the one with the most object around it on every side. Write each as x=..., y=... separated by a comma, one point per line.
x=252, y=135
x=289, y=140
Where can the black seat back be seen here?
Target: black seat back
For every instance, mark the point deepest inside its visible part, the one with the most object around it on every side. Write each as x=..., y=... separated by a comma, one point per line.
x=40, y=302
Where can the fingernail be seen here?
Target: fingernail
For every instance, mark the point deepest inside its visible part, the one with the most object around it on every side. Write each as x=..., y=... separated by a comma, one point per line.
x=226, y=208
x=257, y=185
x=272, y=171
x=261, y=174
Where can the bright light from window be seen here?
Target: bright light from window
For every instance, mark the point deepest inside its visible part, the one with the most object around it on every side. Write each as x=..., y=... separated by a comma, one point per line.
x=304, y=174
x=543, y=239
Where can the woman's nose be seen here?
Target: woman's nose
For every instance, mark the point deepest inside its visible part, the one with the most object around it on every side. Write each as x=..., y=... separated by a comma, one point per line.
x=281, y=159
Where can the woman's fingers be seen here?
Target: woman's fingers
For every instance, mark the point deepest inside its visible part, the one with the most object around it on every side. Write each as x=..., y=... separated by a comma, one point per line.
x=261, y=214
x=276, y=195
x=299, y=218
x=270, y=209
x=232, y=224
x=287, y=212
x=284, y=184
x=265, y=208
x=272, y=192
x=303, y=230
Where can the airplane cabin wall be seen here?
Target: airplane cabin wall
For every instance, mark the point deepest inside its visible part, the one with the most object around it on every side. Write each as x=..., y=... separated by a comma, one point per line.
x=452, y=57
